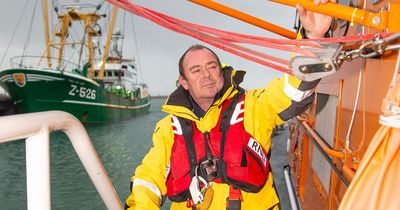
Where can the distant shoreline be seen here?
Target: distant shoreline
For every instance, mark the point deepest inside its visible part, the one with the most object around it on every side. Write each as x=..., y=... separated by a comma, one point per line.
x=159, y=97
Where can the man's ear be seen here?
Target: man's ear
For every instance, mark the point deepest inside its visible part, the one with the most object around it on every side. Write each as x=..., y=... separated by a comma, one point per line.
x=183, y=82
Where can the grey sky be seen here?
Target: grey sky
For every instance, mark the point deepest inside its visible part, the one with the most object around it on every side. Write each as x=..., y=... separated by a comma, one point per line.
x=158, y=48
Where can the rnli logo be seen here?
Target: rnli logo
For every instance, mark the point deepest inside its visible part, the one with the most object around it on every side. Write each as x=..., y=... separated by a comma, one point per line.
x=19, y=79
x=256, y=147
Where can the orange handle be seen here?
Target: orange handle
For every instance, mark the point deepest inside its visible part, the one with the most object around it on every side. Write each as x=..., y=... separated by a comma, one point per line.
x=354, y=15
x=245, y=17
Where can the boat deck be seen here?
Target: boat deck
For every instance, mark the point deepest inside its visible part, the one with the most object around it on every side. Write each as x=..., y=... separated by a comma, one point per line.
x=279, y=158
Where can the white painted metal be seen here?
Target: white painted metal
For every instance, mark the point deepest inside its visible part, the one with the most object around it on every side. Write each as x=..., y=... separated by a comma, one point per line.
x=38, y=170
x=36, y=127
x=292, y=195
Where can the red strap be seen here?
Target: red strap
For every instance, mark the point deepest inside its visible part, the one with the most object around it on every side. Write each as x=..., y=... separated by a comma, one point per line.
x=233, y=202
x=234, y=193
x=189, y=203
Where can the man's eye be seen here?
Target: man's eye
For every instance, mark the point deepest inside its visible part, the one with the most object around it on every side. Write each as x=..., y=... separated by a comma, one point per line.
x=213, y=66
x=195, y=70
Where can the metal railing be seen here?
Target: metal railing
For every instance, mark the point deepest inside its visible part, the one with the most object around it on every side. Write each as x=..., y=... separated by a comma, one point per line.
x=35, y=127
x=30, y=61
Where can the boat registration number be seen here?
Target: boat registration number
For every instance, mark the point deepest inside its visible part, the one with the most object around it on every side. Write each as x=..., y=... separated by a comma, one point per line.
x=82, y=92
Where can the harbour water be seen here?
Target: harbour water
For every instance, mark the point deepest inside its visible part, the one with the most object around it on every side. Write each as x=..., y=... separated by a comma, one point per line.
x=120, y=146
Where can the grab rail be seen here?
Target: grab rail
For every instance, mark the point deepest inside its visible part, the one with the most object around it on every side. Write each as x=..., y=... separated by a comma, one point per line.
x=35, y=127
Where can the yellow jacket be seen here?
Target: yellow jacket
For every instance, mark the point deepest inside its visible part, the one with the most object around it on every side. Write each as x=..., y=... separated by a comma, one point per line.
x=265, y=108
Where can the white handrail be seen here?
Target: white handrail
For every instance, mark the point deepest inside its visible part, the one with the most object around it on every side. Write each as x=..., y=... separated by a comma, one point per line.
x=36, y=128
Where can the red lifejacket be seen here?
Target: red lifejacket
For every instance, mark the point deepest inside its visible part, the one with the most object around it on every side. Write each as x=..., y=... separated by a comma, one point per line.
x=241, y=160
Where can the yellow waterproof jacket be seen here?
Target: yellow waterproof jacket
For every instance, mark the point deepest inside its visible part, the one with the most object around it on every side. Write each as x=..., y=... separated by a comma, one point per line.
x=264, y=108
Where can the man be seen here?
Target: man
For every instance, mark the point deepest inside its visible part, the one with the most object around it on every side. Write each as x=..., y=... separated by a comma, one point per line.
x=210, y=151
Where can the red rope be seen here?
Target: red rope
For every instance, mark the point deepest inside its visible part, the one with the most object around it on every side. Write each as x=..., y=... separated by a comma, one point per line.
x=228, y=41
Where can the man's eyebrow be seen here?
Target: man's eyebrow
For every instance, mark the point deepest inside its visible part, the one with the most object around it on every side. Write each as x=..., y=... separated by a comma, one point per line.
x=198, y=66
x=195, y=66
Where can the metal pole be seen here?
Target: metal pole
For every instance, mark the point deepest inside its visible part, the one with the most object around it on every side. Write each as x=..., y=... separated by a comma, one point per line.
x=292, y=195
x=38, y=171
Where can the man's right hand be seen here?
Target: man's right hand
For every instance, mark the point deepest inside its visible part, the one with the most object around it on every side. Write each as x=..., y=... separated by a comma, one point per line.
x=315, y=24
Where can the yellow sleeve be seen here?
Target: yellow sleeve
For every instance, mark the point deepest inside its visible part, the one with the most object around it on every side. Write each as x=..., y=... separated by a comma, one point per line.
x=282, y=99
x=148, y=183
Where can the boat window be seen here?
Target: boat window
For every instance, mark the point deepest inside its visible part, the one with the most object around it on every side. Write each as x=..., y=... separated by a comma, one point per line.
x=116, y=73
x=122, y=74
x=109, y=73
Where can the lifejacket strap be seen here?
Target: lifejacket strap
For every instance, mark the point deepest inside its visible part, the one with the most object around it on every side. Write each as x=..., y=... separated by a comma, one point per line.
x=224, y=127
x=188, y=133
x=234, y=201
x=227, y=114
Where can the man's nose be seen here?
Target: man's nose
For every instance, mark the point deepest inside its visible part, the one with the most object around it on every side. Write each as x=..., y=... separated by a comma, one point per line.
x=205, y=72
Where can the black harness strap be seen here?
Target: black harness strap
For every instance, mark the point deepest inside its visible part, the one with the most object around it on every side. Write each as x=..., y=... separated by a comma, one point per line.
x=188, y=134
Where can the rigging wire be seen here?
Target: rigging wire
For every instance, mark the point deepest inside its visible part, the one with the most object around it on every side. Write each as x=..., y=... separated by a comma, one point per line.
x=123, y=30
x=51, y=26
x=105, y=24
x=29, y=33
x=360, y=76
x=13, y=34
x=82, y=45
x=99, y=6
x=137, y=49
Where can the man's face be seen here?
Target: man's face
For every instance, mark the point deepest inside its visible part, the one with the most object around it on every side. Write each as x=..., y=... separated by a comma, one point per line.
x=202, y=75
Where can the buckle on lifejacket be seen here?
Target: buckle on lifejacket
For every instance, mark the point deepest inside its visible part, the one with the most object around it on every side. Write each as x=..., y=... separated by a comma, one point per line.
x=197, y=188
x=233, y=202
x=208, y=169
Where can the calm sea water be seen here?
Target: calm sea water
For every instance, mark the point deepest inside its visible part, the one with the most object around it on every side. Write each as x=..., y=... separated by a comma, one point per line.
x=121, y=147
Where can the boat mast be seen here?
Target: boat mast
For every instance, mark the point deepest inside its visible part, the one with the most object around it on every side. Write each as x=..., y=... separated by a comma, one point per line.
x=47, y=32
x=109, y=35
x=89, y=19
x=65, y=22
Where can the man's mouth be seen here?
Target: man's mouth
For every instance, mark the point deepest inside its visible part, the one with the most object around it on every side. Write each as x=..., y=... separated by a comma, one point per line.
x=208, y=85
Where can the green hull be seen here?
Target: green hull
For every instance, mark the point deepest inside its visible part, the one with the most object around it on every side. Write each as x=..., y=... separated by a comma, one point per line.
x=35, y=90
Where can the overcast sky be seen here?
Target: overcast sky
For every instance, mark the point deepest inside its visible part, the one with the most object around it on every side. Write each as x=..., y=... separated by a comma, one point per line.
x=158, y=48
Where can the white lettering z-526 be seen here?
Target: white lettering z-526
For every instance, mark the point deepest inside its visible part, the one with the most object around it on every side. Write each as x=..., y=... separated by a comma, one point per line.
x=82, y=92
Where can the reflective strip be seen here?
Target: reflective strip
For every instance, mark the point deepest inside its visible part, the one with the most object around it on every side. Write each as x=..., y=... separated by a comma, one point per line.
x=294, y=93
x=148, y=185
x=167, y=169
x=176, y=126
